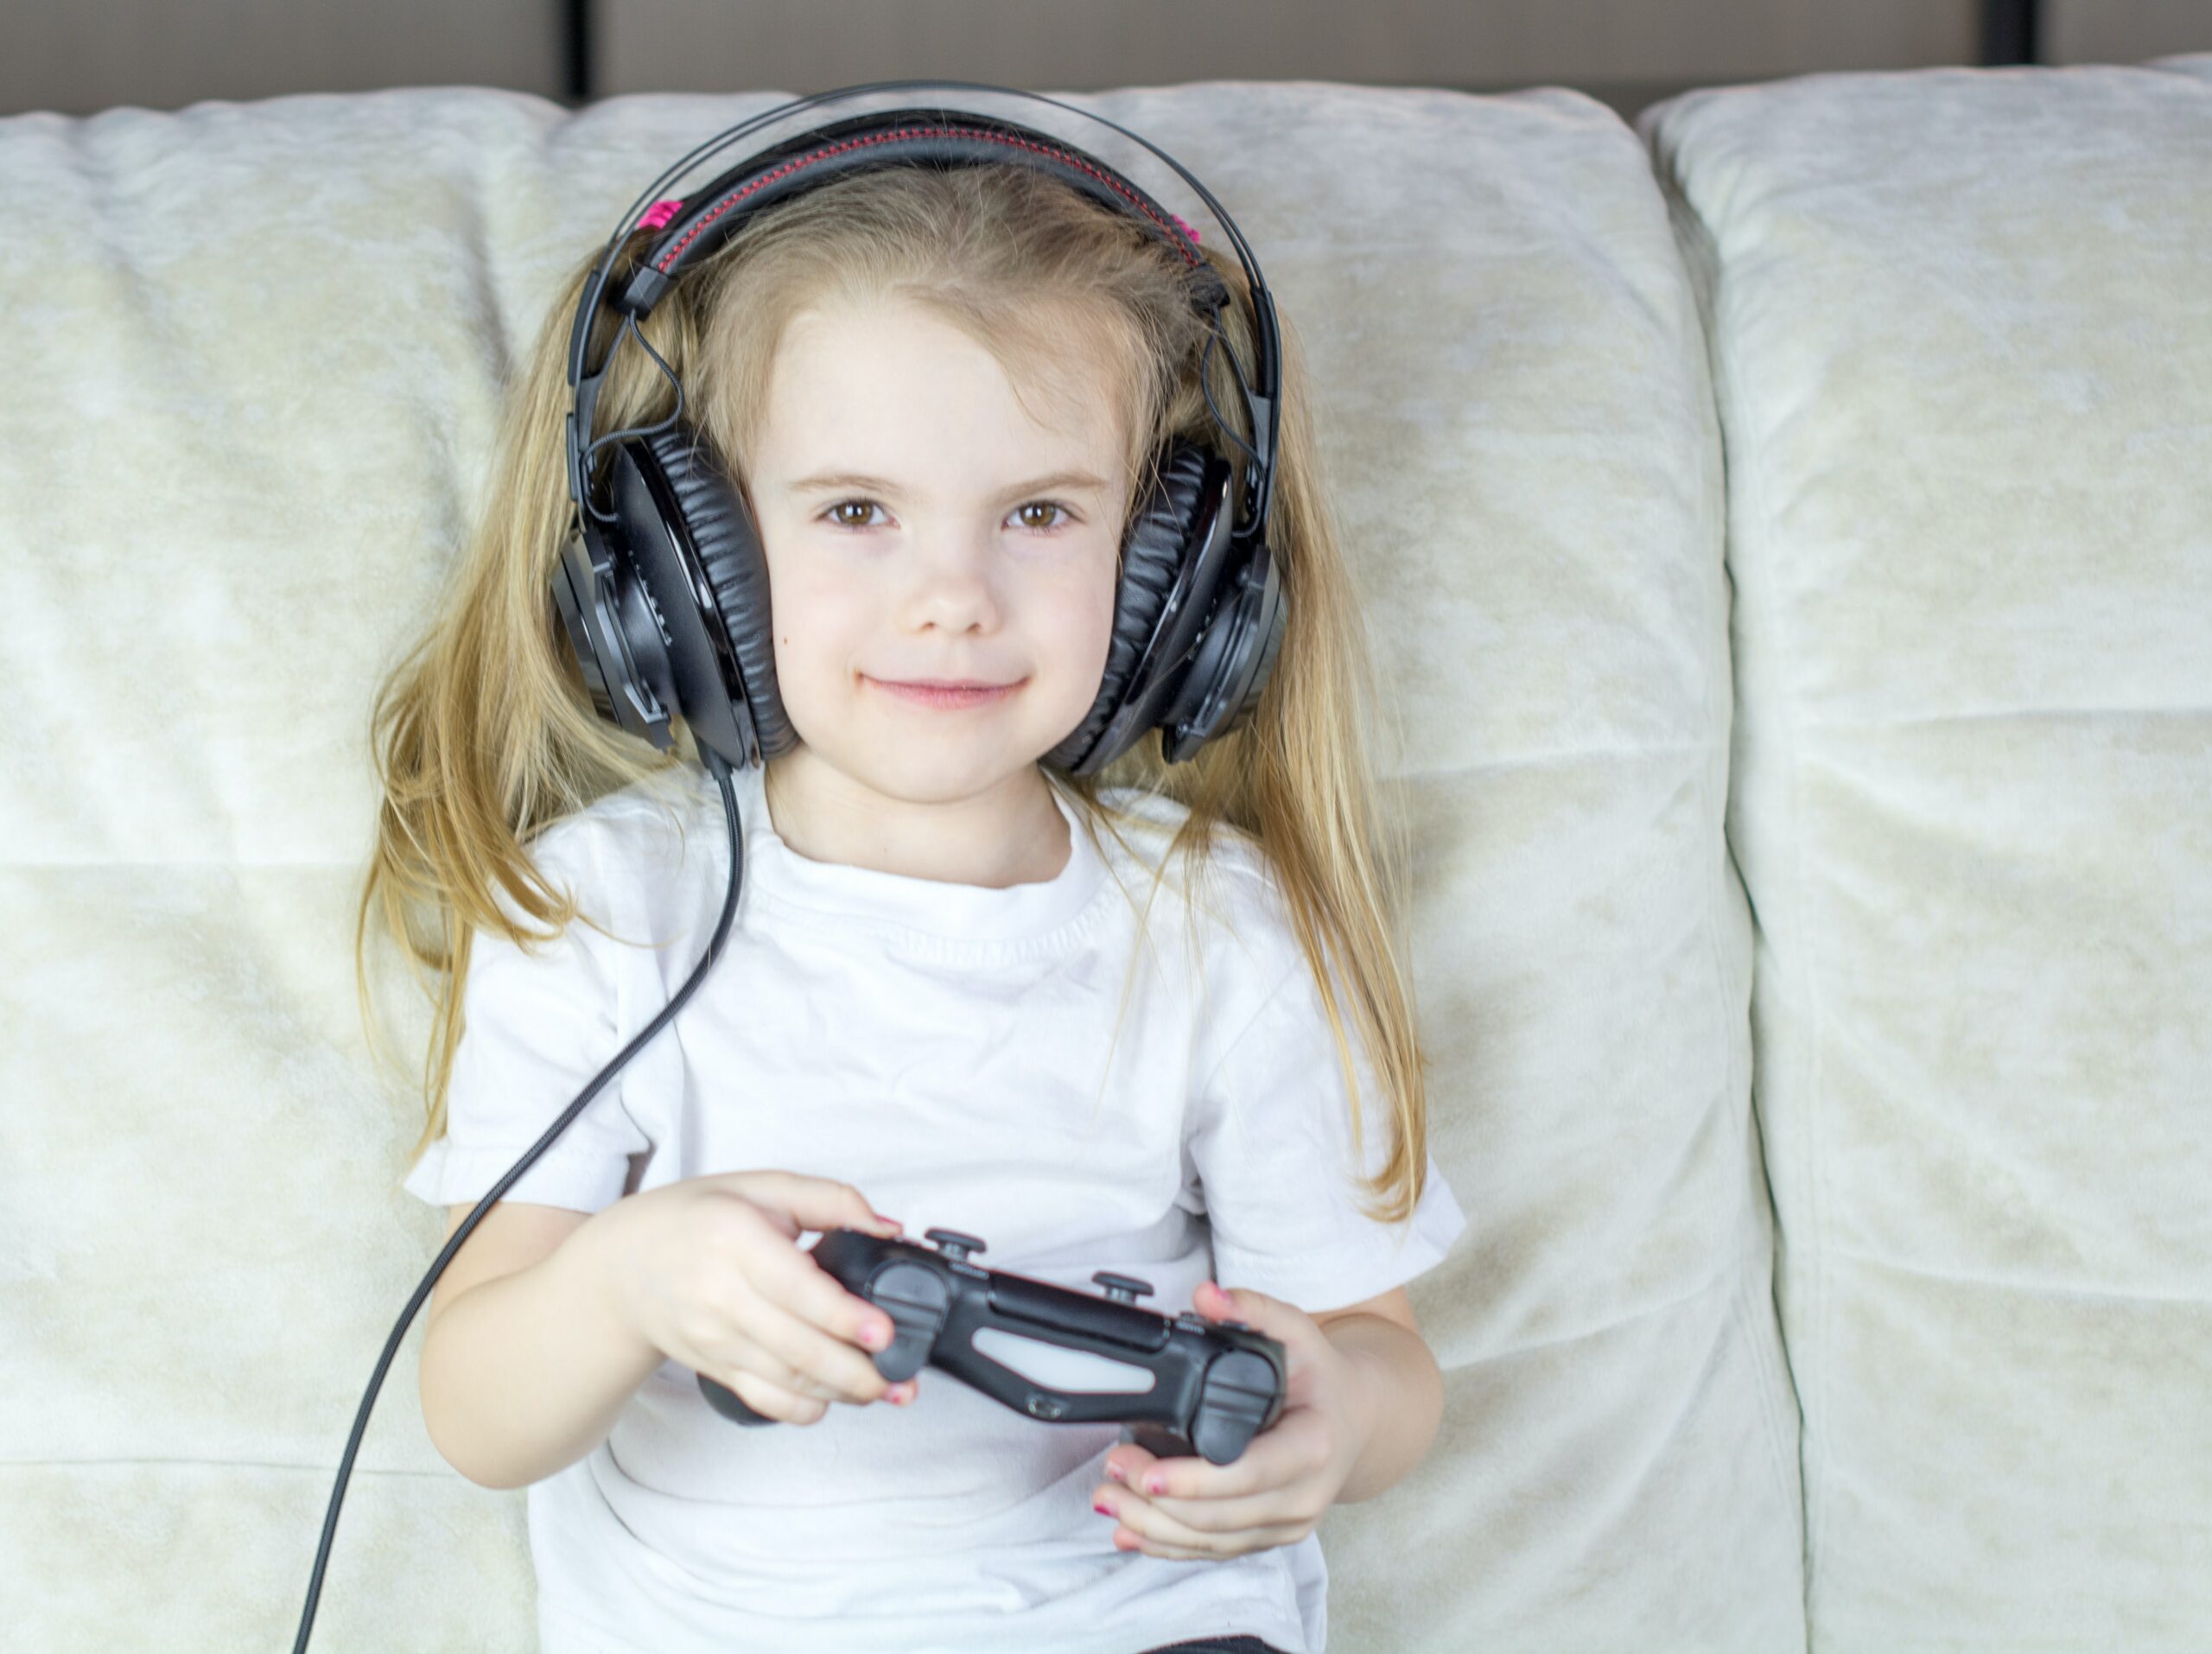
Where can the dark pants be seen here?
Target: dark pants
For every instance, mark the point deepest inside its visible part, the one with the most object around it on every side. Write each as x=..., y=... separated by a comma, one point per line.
x=1217, y=1645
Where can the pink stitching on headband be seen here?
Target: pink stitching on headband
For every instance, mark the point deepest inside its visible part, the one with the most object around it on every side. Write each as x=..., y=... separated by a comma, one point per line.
x=666, y=261
x=660, y=211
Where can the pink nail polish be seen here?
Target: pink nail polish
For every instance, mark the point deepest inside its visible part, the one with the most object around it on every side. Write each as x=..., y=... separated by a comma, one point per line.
x=1102, y=1507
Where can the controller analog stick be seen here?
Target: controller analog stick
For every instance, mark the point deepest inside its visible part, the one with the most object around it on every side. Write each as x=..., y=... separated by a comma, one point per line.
x=954, y=1245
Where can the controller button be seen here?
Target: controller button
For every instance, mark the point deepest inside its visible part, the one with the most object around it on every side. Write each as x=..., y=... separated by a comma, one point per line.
x=1122, y=1289
x=954, y=1245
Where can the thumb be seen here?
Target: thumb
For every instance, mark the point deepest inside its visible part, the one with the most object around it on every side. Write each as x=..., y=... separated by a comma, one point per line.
x=1255, y=1309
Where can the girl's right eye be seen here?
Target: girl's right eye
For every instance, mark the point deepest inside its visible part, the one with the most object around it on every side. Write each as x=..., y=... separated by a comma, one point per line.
x=837, y=521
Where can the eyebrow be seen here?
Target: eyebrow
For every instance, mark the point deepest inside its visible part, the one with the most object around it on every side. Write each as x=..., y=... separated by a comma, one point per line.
x=825, y=480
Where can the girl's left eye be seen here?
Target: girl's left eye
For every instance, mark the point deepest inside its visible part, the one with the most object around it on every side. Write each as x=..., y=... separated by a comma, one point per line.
x=1065, y=515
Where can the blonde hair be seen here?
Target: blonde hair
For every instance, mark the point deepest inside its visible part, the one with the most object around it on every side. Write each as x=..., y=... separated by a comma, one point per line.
x=484, y=734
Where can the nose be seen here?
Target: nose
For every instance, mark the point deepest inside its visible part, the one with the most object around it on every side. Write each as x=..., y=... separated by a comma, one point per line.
x=956, y=584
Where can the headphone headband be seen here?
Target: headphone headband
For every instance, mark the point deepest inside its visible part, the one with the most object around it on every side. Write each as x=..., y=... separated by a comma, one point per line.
x=707, y=221
x=928, y=136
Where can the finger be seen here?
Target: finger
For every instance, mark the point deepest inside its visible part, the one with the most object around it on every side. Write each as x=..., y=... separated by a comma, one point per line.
x=818, y=1203
x=773, y=1400
x=1126, y=1540
x=1158, y=1536
x=1128, y=1464
x=1218, y=1526
x=797, y=1354
x=789, y=1278
x=1274, y=1458
x=1172, y=1519
x=763, y=1361
x=808, y=1320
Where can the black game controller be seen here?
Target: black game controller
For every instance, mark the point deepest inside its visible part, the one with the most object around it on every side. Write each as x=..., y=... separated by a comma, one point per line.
x=1213, y=1385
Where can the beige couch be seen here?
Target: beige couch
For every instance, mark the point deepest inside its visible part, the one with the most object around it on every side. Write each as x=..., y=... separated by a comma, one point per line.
x=1788, y=526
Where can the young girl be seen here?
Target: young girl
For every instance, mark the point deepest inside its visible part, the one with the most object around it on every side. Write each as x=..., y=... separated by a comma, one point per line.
x=941, y=999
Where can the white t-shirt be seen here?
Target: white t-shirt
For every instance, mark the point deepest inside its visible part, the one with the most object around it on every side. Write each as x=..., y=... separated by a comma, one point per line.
x=940, y=1047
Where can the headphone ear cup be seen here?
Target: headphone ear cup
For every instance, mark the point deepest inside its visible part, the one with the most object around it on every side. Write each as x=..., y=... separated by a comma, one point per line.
x=1175, y=558
x=1152, y=558
x=1235, y=659
x=718, y=578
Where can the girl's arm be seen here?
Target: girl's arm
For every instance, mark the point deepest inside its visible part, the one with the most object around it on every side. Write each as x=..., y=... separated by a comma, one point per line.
x=525, y=1373
x=1405, y=1390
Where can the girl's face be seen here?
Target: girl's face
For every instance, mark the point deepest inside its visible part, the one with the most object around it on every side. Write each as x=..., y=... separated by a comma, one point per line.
x=920, y=526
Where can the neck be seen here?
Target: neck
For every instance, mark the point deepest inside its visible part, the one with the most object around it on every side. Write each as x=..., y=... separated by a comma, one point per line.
x=1009, y=833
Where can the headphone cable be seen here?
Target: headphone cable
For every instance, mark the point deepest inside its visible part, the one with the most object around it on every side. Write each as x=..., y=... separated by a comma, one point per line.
x=720, y=770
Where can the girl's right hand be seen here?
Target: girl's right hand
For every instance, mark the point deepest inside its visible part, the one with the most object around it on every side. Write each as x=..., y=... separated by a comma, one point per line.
x=708, y=1271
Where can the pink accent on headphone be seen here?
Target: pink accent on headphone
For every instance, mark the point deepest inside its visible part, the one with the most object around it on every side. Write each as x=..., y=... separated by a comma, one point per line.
x=660, y=211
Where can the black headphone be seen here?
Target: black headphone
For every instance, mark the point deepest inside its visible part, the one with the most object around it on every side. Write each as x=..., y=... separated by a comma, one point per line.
x=665, y=597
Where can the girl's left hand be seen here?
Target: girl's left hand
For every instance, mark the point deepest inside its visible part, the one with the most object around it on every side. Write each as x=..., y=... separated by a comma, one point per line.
x=1275, y=1492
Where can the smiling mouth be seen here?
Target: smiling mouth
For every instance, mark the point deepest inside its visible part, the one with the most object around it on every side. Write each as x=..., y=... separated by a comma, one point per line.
x=948, y=694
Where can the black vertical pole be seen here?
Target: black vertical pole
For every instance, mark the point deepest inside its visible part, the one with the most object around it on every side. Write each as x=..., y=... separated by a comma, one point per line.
x=575, y=50
x=2009, y=32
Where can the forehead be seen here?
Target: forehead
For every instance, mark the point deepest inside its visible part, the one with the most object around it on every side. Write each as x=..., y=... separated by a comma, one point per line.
x=894, y=388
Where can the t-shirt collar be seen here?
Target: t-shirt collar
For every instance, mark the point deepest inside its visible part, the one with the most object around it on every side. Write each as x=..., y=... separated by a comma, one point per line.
x=933, y=906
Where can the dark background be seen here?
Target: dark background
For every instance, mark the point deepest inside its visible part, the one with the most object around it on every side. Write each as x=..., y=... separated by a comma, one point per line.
x=79, y=56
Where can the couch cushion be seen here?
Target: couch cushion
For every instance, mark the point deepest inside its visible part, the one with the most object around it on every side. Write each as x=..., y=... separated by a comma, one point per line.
x=266, y=342
x=1963, y=342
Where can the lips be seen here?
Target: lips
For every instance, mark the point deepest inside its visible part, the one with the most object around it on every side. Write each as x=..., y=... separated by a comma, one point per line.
x=948, y=693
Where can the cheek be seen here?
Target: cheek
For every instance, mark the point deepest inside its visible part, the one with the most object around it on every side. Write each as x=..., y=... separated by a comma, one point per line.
x=817, y=622
x=1082, y=620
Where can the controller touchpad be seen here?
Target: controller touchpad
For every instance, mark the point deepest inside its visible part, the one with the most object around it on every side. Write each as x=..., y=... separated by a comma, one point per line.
x=1056, y=1367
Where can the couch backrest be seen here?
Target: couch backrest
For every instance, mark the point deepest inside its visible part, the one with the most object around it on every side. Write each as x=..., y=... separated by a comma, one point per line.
x=1962, y=335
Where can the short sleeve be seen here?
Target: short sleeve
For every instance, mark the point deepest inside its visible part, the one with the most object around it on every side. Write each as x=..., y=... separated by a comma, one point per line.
x=537, y=1026
x=1269, y=1139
